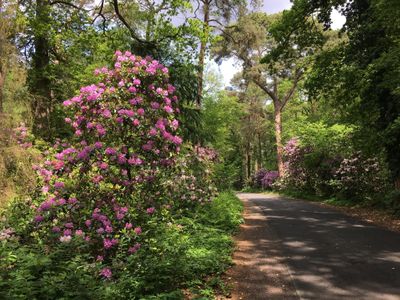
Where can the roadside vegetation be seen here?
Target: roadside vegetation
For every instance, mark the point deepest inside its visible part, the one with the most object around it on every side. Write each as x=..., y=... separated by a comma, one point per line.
x=120, y=147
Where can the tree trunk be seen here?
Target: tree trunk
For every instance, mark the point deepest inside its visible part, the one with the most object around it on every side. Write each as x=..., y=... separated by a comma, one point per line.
x=2, y=80
x=260, y=161
x=248, y=161
x=278, y=137
x=40, y=83
x=202, y=54
x=397, y=183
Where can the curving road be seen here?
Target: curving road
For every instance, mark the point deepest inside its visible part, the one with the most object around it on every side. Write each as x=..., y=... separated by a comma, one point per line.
x=292, y=249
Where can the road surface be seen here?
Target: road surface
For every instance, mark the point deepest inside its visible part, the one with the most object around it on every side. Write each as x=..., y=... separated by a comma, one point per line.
x=292, y=249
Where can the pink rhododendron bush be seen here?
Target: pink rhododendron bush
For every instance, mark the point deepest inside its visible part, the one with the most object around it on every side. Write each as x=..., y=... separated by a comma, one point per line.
x=103, y=187
x=123, y=209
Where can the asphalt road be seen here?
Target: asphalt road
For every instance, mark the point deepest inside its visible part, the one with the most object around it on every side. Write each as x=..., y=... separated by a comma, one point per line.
x=323, y=253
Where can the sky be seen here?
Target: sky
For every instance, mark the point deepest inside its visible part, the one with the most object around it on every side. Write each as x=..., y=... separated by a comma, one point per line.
x=229, y=67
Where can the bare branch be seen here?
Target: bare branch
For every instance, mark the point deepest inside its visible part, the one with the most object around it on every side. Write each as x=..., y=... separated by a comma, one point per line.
x=67, y=4
x=122, y=19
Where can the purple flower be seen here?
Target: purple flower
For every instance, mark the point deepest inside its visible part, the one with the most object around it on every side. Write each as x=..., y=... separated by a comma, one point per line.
x=110, y=151
x=67, y=232
x=72, y=200
x=56, y=229
x=38, y=218
x=69, y=225
x=128, y=225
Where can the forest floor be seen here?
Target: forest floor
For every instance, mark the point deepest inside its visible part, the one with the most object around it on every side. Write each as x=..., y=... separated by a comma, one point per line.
x=293, y=249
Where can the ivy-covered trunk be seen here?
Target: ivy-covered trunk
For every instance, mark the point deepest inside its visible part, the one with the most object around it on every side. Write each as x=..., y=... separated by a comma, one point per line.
x=40, y=83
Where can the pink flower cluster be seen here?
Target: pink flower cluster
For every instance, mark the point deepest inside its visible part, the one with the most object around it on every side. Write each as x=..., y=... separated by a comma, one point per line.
x=125, y=134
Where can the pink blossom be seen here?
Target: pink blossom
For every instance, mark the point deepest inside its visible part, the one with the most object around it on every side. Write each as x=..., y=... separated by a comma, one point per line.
x=97, y=179
x=177, y=140
x=72, y=200
x=128, y=225
x=67, y=103
x=153, y=132
x=155, y=105
x=175, y=124
x=107, y=243
x=69, y=225
x=103, y=165
x=168, y=109
x=140, y=112
x=45, y=206
x=138, y=230
x=59, y=185
x=150, y=210
x=136, y=122
x=121, y=159
x=58, y=165
x=106, y=273
x=167, y=101
x=78, y=232
x=106, y=113
x=65, y=239
x=110, y=151
x=135, y=248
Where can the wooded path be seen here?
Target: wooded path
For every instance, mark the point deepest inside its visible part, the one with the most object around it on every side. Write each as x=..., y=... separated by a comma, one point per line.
x=292, y=249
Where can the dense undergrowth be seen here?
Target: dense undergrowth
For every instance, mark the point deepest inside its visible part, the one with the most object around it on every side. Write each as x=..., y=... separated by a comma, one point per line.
x=189, y=253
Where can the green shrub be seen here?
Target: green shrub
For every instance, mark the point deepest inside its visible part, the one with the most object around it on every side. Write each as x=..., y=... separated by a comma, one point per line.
x=182, y=253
